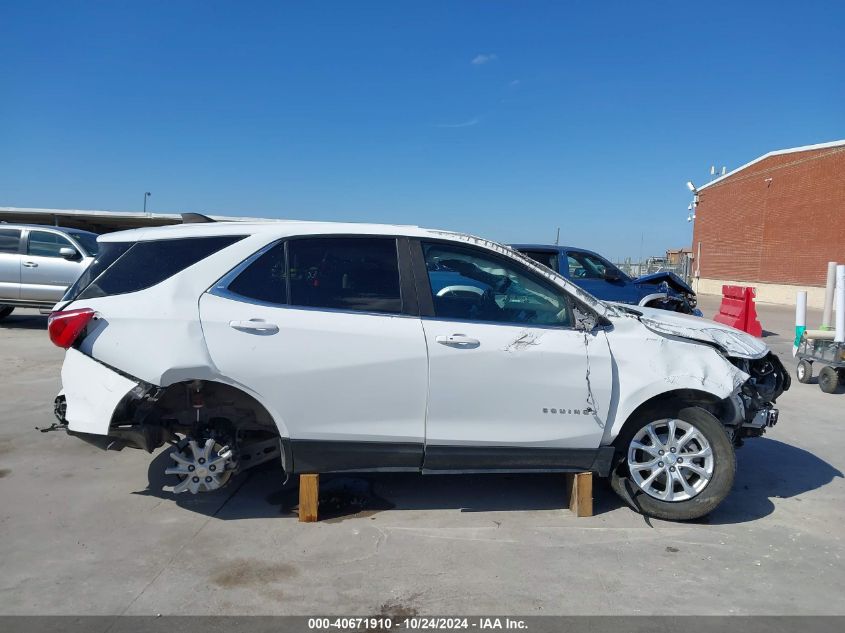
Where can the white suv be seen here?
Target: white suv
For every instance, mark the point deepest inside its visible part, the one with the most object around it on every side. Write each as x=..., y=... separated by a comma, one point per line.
x=355, y=347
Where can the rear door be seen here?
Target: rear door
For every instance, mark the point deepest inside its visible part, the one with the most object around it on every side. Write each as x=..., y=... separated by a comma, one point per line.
x=512, y=384
x=325, y=330
x=45, y=273
x=10, y=263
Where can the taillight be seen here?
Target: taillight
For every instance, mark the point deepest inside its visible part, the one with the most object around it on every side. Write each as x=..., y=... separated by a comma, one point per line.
x=65, y=327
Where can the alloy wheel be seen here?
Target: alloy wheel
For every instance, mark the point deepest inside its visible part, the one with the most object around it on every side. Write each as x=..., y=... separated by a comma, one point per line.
x=670, y=460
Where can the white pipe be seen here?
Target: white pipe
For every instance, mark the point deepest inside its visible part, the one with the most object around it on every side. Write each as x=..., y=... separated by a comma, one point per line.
x=801, y=309
x=827, y=318
x=800, y=319
x=840, y=304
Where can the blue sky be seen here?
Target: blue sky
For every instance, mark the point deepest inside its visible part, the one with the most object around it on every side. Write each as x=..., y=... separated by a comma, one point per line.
x=505, y=119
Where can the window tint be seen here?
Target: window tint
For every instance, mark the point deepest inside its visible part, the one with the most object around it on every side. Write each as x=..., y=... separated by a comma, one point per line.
x=88, y=241
x=108, y=254
x=145, y=264
x=468, y=283
x=264, y=279
x=355, y=273
x=9, y=240
x=547, y=258
x=584, y=266
x=44, y=244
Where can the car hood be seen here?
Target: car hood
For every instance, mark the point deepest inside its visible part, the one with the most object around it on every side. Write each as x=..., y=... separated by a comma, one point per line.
x=730, y=341
x=674, y=282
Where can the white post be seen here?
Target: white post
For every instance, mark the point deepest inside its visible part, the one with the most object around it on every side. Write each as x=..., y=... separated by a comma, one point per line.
x=827, y=318
x=800, y=319
x=840, y=304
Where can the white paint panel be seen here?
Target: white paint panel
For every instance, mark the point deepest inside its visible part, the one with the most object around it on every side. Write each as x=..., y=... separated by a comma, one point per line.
x=92, y=392
x=330, y=375
x=502, y=391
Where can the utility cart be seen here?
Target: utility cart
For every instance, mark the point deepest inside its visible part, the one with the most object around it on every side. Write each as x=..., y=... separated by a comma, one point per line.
x=819, y=346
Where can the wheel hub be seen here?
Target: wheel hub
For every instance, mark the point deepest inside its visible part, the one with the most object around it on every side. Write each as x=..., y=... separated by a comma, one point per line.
x=201, y=468
x=670, y=460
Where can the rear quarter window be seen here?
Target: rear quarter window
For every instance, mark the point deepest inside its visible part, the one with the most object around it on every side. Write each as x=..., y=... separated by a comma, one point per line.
x=145, y=264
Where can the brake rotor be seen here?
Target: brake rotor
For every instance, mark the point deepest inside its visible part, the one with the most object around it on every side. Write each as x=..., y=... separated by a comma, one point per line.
x=201, y=468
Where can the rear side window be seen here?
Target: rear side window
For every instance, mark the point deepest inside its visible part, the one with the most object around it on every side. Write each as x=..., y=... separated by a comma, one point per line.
x=354, y=273
x=547, y=258
x=10, y=240
x=145, y=264
x=264, y=279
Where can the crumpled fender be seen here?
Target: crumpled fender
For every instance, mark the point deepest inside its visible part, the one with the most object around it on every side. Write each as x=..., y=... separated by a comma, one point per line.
x=672, y=280
x=648, y=366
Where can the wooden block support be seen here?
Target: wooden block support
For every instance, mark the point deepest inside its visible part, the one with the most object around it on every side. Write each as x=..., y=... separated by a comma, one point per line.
x=309, y=493
x=580, y=487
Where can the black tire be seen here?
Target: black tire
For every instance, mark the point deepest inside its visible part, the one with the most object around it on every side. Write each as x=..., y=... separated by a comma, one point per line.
x=829, y=380
x=804, y=372
x=5, y=311
x=715, y=491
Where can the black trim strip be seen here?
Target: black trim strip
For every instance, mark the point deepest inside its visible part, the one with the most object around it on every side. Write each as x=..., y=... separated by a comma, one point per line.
x=457, y=458
x=325, y=456
x=321, y=456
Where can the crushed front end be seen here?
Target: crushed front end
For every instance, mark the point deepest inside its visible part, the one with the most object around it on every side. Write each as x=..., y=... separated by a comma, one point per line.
x=750, y=411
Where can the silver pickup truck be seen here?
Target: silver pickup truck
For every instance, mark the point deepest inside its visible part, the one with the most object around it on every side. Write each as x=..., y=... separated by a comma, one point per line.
x=38, y=263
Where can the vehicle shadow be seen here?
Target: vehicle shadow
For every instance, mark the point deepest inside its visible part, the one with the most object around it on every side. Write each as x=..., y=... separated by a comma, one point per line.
x=259, y=493
x=766, y=469
x=17, y=321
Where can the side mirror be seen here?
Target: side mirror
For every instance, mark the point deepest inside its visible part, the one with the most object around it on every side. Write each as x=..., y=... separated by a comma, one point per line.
x=609, y=275
x=68, y=253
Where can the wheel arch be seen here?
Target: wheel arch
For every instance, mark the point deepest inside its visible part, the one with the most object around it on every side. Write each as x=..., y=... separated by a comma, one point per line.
x=685, y=397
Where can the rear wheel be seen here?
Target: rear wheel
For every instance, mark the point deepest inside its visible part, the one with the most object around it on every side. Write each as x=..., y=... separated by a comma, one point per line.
x=6, y=311
x=829, y=380
x=804, y=372
x=675, y=465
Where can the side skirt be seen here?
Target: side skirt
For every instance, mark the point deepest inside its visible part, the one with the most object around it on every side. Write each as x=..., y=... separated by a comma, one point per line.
x=320, y=456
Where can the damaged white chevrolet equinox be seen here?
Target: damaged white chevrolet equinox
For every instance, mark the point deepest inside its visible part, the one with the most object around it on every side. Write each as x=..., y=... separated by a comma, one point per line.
x=354, y=347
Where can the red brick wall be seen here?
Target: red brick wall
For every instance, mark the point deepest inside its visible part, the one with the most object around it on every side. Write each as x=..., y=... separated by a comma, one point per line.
x=782, y=231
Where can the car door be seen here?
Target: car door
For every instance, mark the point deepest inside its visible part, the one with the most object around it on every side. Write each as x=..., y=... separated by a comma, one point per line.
x=45, y=272
x=325, y=330
x=512, y=382
x=10, y=264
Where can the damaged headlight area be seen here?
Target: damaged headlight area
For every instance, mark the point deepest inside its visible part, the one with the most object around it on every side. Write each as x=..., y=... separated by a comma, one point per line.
x=753, y=411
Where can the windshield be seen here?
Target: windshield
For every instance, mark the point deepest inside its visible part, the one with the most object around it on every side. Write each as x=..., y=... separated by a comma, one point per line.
x=88, y=241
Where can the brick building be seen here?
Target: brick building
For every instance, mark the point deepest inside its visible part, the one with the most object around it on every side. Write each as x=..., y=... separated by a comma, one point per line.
x=773, y=223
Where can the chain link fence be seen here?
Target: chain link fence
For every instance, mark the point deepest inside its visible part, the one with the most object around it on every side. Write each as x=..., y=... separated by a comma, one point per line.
x=683, y=267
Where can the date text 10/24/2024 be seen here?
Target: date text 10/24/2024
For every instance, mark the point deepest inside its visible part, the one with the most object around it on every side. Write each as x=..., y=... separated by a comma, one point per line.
x=416, y=623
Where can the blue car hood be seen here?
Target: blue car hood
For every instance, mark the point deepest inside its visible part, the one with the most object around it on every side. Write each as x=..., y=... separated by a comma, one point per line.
x=670, y=278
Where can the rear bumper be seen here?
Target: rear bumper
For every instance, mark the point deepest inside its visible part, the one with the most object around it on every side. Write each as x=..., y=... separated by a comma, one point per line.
x=91, y=393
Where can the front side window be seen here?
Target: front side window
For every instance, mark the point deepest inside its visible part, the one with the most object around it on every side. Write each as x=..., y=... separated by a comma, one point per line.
x=345, y=273
x=471, y=284
x=44, y=244
x=9, y=240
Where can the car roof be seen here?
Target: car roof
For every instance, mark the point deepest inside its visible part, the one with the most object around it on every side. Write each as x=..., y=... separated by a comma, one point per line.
x=553, y=248
x=270, y=228
x=60, y=229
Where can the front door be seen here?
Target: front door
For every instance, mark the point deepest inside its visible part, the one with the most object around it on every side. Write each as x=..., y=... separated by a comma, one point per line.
x=317, y=328
x=45, y=273
x=512, y=384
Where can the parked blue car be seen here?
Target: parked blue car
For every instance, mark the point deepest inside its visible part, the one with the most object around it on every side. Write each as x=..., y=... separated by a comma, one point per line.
x=603, y=280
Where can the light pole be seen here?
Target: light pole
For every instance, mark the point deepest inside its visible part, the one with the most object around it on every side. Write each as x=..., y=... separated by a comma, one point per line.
x=691, y=219
x=147, y=194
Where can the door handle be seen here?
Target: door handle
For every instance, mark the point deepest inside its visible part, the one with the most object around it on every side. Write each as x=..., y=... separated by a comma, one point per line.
x=30, y=264
x=458, y=340
x=258, y=326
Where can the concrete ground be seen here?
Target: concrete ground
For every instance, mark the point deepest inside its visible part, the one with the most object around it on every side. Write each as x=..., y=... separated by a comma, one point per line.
x=89, y=532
